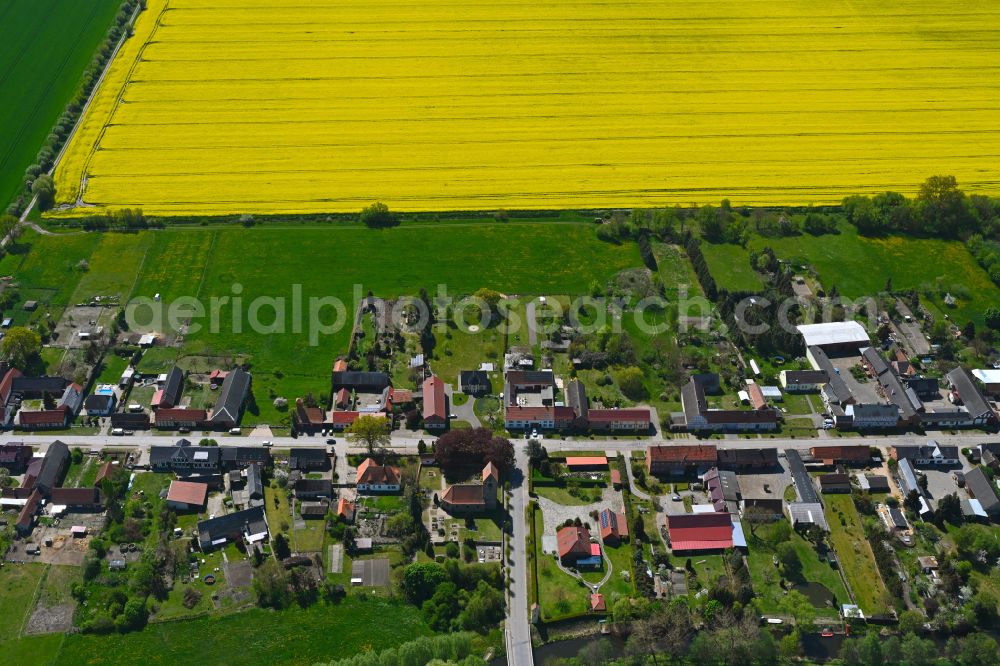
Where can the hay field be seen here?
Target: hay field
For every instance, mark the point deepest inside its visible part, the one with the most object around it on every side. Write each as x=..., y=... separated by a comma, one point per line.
x=223, y=106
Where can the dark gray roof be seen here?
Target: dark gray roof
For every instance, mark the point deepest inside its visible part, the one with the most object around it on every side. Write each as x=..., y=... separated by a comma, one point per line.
x=923, y=385
x=875, y=411
x=982, y=489
x=129, y=418
x=163, y=455
x=243, y=455
x=877, y=483
x=250, y=521
x=967, y=390
x=232, y=395
x=35, y=385
x=576, y=397
x=255, y=484
x=803, y=482
x=473, y=377
x=98, y=402
x=926, y=451
x=897, y=518
x=836, y=388
x=313, y=485
x=877, y=363
x=805, y=376
x=748, y=457
x=531, y=377
x=296, y=457
x=709, y=381
x=172, y=387
x=53, y=465
x=352, y=379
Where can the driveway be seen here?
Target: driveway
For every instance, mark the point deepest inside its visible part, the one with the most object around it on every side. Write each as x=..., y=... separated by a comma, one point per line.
x=464, y=412
x=529, y=310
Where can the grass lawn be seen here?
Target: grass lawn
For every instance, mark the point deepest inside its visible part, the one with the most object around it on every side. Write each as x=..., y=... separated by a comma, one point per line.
x=157, y=360
x=112, y=367
x=279, y=517
x=860, y=266
x=766, y=577
x=17, y=589
x=796, y=403
x=47, y=46
x=310, y=538
x=621, y=560
x=559, y=594
x=730, y=267
x=384, y=503
x=486, y=528
x=563, y=496
x=855, y=555
x=293, y=636
x=465, y=350
x=32, y=650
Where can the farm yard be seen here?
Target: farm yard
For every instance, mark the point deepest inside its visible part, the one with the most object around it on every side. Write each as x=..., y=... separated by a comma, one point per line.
x=443, y=105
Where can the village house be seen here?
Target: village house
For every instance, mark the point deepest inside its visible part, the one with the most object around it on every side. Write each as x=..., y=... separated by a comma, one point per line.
x=677, y=460
x=981, y=488
x=435, y=407
x=697, y=416
x=375, y=478
x=700, y=532
x=308, y=460
x=169, y=395
x=922, y=455
x=15, y=457
x=852, y=454
x=614, y=527
x=176, y=418
x=802, y=381
x=475, y=382
x=184, y=458
x=313, y=489
x=248, y=526
x=575, y=549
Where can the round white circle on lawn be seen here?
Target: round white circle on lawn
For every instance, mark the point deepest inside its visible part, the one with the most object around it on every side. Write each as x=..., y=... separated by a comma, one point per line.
x=474, y=328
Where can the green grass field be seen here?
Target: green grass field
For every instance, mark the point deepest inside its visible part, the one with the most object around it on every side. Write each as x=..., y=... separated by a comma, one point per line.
x=855, y=554
x=17, y=589
x=859, y=266
x=294, y=636
x=730, y=267
x=44, y=47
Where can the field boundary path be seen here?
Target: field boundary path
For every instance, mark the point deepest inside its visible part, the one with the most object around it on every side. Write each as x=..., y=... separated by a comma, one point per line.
x=517, y=629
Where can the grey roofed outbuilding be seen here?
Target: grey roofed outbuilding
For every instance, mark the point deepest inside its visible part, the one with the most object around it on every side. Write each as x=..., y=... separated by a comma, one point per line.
x=38, y=385
x=803, y=482
x=877, y=363
x=231, y=526
x=576, y=397
x=232, y=395
x=924, y=386
x=130, y=420
x=241, y=456
x=307, y=458
x=172, y=388
x=898, y=519
x=807, y=513
x=255, y=484
x=363, y=382
x=970, y=394
x=184, y=454
x=53, y=465
x=982, y=489
x=908, y=478
x=836, y=388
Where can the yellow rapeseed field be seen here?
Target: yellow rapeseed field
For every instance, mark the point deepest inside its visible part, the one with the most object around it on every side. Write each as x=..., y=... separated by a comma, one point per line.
x=223, y=106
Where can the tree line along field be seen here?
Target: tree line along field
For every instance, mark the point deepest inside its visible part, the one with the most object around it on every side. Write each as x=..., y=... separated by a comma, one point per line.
x=206, y=262
x=44, y=47
x=241, y=106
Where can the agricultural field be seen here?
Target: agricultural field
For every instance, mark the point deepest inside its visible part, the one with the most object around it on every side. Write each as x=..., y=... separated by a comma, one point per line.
x=45, y=45
x=449, y=105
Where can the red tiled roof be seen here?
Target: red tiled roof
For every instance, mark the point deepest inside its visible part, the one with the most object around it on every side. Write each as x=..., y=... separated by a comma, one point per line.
x=700, y=531
x=613, y=524
x=187, y=492
x=400, y=396
x=5, y=385
x=836, y=453
x=597, y=603
x=180, y=414
x=345, y=508
x=586, y=461
x=43, y=417
x=689, y=453
x=517, y=413
x=370, y=473
x=27, y=514
x=341, y=418
x=434, y=407
x=609, y=415
x=157, y=398
x=340, y=365
x=104, y=472
x=491, y=470
x=343, y=396
x=573, y=540
x=757, y=398
x=75, y=496
x=616, y=477
x=465, y=494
